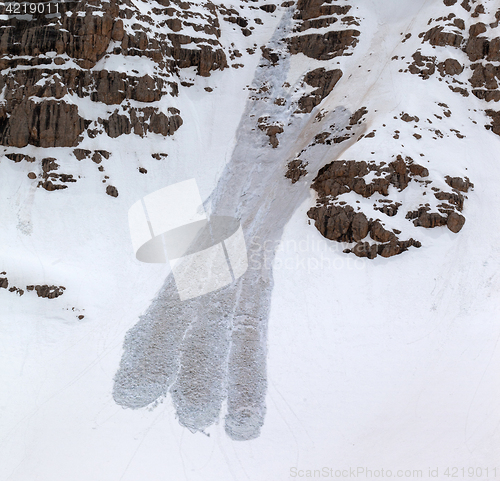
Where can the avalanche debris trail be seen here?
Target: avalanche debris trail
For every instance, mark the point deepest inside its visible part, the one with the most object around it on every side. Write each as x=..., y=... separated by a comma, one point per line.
x=214, y=347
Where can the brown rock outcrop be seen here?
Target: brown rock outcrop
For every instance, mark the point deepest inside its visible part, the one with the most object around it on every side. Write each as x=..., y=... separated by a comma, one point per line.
x=81, y=154
x=20, y=157
x=49, y=292
x=271, y=130
x=422, y=65
x=325, y=81
x=436, y=36
x=340, y=222
x=455, y=222
x=112, y=191
x=48, y=123
x=296, y=170
x=450, y=67
x=477, y=48
x=423, y=218
x=140, y=122
x=340, y=177
x=323, y=47
x=456, y=200
x=393, y=248
x=81, y=37
x=84, y=32
x=307, y=9
x=495, y=121
x=485, y=76
x=463, y=185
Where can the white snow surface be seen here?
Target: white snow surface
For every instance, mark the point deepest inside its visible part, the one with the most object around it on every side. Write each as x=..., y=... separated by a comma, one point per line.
x=382, y=364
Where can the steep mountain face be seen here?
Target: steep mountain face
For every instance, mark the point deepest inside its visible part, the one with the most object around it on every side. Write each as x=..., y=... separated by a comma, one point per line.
x=54, y=64
x=51, y=61
x=368, y=112
x=439, y=54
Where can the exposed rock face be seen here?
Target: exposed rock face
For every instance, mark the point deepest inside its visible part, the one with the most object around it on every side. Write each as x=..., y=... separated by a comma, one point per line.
x=81, y=37
x=463, y=185
x=140, y=122
x=46, y=124
x=271, y=130
x=324, y=81
x=20, y=157
x=455, y=222
x=34, y=110
x=340, y=222
x=422, y=65
x=425, y=219
x=296, y=170
x=308, y=9
x=49, y=63
x=324, y=47
x=450, y=67
x=104, y=86
x=49, y=177
x=81, y=154
x=340, y=177
x=49, y=292
x=86, y=37
x=495, y=124
x=480, y=45
x=435, y=36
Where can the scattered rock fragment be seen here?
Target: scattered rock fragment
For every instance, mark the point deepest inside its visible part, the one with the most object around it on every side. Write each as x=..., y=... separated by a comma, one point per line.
x=296, y=170
x=46, y=291
x=112, y=191
x=81, y=154
x=463, y=185
x=271, y=130
x=20, y=157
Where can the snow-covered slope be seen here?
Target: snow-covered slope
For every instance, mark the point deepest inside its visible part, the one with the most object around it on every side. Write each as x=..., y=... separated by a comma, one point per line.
x=324, y=128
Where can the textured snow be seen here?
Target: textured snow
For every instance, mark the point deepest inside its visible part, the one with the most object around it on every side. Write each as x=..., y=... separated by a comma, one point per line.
x=389, y=363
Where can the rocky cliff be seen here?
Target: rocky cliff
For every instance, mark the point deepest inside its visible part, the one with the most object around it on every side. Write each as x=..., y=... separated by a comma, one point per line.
x=106, y=69
x=360, y=117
